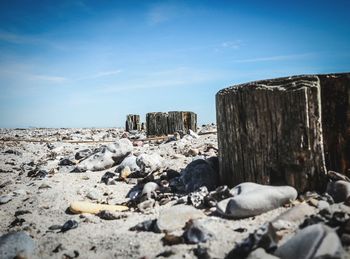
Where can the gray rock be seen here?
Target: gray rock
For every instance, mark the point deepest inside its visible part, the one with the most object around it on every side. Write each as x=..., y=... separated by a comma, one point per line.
x=149, y=189
x=253, y=199
x=260, y=253
x=93, y=195
x=107, y=157
x=149, y=163
x=83, y=153
x=339, y=190
x=5, y=199
x=130, y=161
x=292, y=216
x=16, y=244
x=315, y=241
x=175, y=218
x=196, y=233
x=200, y=173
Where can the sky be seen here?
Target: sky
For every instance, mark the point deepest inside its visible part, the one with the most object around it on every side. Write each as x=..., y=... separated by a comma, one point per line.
x=90, y=63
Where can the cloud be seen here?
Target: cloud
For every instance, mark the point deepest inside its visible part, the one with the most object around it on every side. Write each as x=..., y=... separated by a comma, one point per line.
x=274, y=58
x=232, y=44
x=101, y=74
x=54, y=79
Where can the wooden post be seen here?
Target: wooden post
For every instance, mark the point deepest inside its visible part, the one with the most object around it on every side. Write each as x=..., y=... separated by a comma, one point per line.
x=132, y=122
x=270, y=131
x=161, y=123
x=335, y=97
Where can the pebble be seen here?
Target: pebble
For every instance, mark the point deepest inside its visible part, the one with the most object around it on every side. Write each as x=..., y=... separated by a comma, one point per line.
x=5, y=199
x=252, y=199
x=315, y=241
x=339, y=190
x=174, y=218
x=149, y=189
x=66, y=162
x=124, y=172
x=260, y=253
x=292, y=216
x=149, y=163
x=200, y=173
x=70, y=224
x=93, y=195
x=16, y=245
x=130, y=161
x=196, y=233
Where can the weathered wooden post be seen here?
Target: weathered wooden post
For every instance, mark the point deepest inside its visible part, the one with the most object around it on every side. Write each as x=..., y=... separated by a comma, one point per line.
x=272, y=131
x=162, y=123
x=132, y=122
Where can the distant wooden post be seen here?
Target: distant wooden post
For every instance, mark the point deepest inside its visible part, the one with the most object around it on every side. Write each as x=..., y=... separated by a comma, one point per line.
x=132, y=122
x=272, y=131
x=161, y=123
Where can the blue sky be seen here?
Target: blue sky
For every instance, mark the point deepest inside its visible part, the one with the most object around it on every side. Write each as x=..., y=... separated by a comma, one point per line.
x=90, y=63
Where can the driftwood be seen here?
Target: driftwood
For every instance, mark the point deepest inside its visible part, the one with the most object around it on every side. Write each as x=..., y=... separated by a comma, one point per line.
x=285, y=131
x=132, y=122
x=162, y=123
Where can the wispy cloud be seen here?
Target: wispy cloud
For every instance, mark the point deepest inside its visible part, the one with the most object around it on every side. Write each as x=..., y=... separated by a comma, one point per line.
x=101, y=74
x=53, y=79
x=274, y=58
x=177, y=77
x=232, y=44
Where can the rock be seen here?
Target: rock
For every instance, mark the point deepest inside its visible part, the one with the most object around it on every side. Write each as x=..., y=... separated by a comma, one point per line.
x=196, y=233
x=260, y=253
x=292, y=216
x=13, y=152
x=83, y=153
x=193, y=152
x=93, y=195
x=149, y=163
x=148, y=225
x=339, y=190
x=146, y=206
x=149, y=189
x=197, y=198
x=174, y=218
x=124, y=172
x=264, y=237
x=107, y=157
x=200, y=173
x=193, y=134
x=5, y=183
x=66, y=162
x=70, y=224
x=5, y=199
x=316, y=241
x=37, y=173
x=107, y=177
x=16, y=245
x=137, y=143
x=110, y=215
x=130, y=161
x=322, y=205
x=337, y=176
x=252, y=199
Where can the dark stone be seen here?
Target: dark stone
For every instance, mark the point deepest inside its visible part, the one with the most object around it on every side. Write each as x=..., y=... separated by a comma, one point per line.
x=13, y=152
x=200, y=173
x=108, y=175
x=148, y=225
x=66, y=162
x=169, y=240
x=83, y=153
x=70, y=224
x=339, y=190
x=196, y=233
